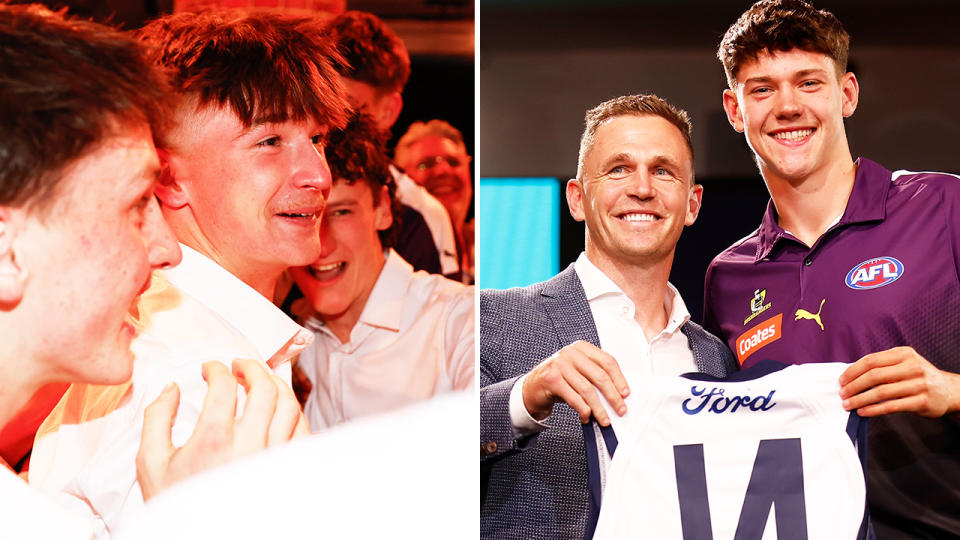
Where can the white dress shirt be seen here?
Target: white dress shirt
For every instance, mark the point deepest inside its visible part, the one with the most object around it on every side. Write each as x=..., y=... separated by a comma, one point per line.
x=84, y=453
x=621, y=336
x=414, y=340
x=25, y=513
x=438, y=221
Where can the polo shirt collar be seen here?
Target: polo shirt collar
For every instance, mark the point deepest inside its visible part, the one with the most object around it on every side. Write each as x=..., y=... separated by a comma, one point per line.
x=267, y=328
x=867, y=202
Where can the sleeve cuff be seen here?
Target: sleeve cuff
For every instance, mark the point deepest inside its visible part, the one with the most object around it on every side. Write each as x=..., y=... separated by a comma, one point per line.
x=523, y=423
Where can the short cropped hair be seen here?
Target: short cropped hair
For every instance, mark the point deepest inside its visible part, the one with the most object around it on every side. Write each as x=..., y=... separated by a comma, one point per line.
x=431, y=128
x=358, y=152
x=374, y=53
x=636, y=105
x=65, y=86
x=782, y=25
x=266, y=66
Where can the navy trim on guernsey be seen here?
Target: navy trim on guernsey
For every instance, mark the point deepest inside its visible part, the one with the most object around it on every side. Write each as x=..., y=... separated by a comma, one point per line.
x=856, y=429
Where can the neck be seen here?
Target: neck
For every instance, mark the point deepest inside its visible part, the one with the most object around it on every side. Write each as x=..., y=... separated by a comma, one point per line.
x=644, y=283
x=261, y=277
x=806, y=207
x=17, y=388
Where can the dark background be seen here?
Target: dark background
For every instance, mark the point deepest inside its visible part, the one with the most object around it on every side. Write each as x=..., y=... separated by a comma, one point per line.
x=542, y=64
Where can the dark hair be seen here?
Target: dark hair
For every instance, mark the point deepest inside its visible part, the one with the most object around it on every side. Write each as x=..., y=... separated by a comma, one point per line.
x=359, y=152
x=65, y=86
x=637, y=105
x=266, y=66
x=782, y=25
x=374, y=53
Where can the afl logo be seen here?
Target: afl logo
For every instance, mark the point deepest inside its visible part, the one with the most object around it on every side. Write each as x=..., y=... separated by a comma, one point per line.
x=874, y=273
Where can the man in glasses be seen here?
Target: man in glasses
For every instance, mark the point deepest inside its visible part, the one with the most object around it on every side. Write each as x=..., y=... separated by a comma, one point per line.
x=435, y=156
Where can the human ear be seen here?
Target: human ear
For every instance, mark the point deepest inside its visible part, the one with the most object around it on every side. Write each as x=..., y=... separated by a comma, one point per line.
x=694, y=203
x=732, y=107
x=169, y=189
x=13, y=276
x=849, y=94
x=575, y=199
x=384, y=215
x=389, y=109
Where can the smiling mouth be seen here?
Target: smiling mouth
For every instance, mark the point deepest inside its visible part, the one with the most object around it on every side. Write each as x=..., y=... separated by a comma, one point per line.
x=306, y=216
x=639, y=217
x=793, y=135
x=326, y=272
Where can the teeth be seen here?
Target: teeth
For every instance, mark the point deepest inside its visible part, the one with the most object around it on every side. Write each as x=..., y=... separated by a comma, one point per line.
x=794, y=135
x=639, y=217
x=327, y=267
x=291, y=214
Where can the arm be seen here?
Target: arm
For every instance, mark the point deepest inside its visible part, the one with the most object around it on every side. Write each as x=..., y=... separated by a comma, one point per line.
x=458, y=344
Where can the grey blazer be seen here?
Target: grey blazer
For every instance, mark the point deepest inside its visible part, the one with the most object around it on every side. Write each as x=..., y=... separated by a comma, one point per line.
x=536, y=487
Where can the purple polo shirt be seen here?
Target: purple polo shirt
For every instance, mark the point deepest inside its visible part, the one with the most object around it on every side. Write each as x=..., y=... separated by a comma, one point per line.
x=887, y=274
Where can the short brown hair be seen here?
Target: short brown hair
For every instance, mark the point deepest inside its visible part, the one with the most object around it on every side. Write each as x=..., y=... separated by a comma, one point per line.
x=419, y=130
x=358, y=152
x=374, y=53
x=266, y=66
x=782, y=25
x=636, y=105
x=65, y=86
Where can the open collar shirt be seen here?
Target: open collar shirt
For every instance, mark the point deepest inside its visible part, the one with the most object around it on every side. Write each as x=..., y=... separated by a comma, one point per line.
x=414, y=340
x=84, y=454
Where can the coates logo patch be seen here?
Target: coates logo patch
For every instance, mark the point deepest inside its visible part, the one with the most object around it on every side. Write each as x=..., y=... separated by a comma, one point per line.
x=874, y=273
x=759, y=336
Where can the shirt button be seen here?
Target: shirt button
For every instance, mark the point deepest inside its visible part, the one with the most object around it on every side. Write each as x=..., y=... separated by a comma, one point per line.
x=808, y=261
x=488, y=448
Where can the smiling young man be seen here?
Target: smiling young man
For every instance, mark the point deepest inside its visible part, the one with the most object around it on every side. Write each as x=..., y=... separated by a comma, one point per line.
x=541, y=365
x=385, y=336
x=242, y=184
x=80, y=197
x=851, y=263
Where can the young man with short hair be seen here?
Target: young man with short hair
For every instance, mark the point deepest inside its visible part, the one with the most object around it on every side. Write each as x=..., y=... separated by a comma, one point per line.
x=384, y=335
x=375, y=72
x=851, y=263
x=243, y=183
x=80, y=232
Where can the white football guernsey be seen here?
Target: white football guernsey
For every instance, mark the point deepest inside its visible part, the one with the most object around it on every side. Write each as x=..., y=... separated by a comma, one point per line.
x=768, y=453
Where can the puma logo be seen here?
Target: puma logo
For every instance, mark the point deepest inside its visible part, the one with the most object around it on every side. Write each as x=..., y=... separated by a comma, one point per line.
x=815, y=317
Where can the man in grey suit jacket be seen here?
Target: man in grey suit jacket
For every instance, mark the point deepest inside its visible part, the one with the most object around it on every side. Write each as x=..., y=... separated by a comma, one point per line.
x=540, y=359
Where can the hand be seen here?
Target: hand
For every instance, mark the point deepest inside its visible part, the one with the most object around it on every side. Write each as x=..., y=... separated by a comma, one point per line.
x=573, y=375
x=271, y=416
x=898, y=380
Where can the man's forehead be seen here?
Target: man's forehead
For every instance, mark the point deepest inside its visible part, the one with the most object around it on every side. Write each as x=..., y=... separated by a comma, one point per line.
x=797, y=59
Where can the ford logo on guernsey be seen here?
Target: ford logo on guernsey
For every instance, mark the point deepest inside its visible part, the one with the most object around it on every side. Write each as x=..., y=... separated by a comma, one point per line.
x=874, y=273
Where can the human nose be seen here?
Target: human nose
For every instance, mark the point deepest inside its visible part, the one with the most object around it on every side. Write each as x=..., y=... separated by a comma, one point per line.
x=328, y=241
x=163, y=251
x=788, y=103
x=641, y=185
x=312, y=171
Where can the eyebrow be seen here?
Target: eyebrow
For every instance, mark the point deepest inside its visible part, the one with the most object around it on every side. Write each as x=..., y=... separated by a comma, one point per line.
x=798, y=75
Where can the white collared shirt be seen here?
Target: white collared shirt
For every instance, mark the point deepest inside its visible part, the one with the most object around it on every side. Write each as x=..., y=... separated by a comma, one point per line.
x=414, y=340
x=434, y=214
x=668, y=353
x=84, y=453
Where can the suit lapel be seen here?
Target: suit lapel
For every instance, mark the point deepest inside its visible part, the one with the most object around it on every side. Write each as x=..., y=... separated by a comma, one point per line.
x=566, y=305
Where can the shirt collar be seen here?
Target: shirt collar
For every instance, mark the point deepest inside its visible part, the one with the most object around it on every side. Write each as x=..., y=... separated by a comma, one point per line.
x=267, y=328
x=596, y=284
x=867, y=202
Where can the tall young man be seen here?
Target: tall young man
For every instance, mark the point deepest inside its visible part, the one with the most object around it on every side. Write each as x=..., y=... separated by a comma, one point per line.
x=851, y=263
x=80, y=232
x=243, y=183
x=384, y=335
x=541, y=363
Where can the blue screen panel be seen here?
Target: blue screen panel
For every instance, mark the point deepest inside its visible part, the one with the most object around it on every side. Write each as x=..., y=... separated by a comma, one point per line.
x=517, y=231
